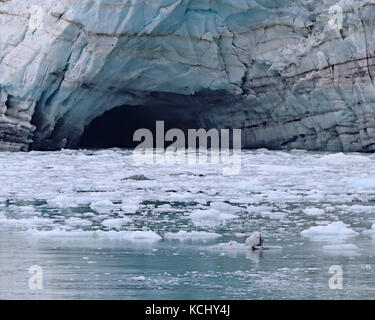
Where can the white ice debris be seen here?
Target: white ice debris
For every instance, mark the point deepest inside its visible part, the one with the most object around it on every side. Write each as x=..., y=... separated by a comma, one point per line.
x=62, y=201
x=191, y=235
x=274, y=215
x=77, y=222
x=24, y=223
x=337, y=228
x=146, y=236
x=129, y=208
x=280, y=202
x=116, y=223
x=224, y=207
x=210, y=217
x=134, y=236
x=103, y=206
x=313, y=212
x=361, y=183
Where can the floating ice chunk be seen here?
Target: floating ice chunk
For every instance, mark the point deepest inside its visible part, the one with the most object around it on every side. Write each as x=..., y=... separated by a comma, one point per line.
x=24, y=223
x=116, y=223
x=139, y=278
x=185, y=235
x=147, y=236
x=340, y=247
x=313, y=212
x=337, y=228
x=358, y=208
x=165, y=207
x=351, y=209
x=72, y=234
x=77, y=222
x=361, y=182
x=103, y=206
x=84, y=200
x=274, y=215
x=23, y=210
x=129, y=208
x=62, y=201
x=258, y=209
x=134, y=236
x=27, y=209
x=222, y=206
x=210, y=217
x=240, y=234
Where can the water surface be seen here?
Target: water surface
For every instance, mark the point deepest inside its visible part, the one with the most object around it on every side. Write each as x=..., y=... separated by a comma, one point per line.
x=98, y=235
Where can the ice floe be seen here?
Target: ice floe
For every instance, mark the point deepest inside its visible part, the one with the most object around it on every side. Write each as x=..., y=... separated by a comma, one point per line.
x=337, y=228
x=224, y=207
x=79, y=234
x=313, y=212
x=103, y=206
x=129, y=208
x=91, y=194
x=116, y=223
x=210, y=217
x=77, y=222
x=191, y=235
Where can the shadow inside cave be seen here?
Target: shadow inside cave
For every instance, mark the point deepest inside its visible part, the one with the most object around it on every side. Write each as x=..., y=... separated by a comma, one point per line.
x=116, y=127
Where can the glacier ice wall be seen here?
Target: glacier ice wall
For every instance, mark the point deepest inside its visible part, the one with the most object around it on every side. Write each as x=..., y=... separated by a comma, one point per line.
x=274, y=68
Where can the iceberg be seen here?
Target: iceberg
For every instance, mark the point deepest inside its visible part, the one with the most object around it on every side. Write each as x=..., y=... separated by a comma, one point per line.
x=79, y=234
x=336, y=229
x=210, y=217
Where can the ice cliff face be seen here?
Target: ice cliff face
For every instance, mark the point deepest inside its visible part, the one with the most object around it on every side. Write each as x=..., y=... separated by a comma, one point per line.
x=274, y=68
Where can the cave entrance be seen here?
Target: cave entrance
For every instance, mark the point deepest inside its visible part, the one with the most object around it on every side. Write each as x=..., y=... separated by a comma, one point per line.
x=115, y=128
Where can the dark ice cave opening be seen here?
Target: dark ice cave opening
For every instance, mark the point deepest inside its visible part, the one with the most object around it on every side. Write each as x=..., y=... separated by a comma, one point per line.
x=115, y=128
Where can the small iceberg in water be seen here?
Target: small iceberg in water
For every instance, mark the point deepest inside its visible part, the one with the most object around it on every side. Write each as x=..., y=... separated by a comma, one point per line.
x=334, y=229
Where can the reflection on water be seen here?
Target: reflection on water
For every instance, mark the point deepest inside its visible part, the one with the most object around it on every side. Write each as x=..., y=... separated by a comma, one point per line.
x=174, y=270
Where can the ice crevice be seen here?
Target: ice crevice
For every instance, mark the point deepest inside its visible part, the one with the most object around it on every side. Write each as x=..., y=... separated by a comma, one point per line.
x=273, y=69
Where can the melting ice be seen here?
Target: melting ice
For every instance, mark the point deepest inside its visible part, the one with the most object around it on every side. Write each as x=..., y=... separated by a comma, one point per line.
x=180, y=233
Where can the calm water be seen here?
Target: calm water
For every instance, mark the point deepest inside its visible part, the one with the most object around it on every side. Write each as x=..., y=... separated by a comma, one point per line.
x=97, y=234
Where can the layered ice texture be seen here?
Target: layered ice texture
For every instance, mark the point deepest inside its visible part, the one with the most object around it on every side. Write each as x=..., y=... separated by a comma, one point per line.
x=275, y=69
